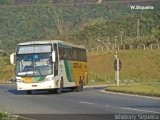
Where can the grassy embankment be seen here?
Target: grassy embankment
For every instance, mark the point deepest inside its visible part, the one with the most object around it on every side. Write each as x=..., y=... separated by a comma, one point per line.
x=138, y=89
x=137, y=66
x=8, y=116
x=140, y=72
x=6, y=70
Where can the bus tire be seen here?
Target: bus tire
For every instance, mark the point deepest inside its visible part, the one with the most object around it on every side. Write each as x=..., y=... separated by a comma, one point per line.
x=29, y=92
x=51, y=91
x=80, y=87
x=59, y=90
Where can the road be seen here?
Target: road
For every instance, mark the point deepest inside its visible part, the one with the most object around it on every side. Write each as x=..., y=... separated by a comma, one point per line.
x=92, y=101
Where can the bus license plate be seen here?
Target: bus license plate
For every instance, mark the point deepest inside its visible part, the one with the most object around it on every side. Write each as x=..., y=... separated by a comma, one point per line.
x=28, y=80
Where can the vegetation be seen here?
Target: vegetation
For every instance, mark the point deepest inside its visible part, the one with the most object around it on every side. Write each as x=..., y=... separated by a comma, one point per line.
x=137, y=67
x=8, y=116
x=6, y=70
x=78, y=21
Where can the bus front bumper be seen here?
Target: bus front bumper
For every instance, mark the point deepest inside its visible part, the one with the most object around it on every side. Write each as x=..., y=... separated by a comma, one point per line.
x=37, y=86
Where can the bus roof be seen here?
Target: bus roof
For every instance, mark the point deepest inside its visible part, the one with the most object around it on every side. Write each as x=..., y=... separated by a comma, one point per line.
x=51, y=41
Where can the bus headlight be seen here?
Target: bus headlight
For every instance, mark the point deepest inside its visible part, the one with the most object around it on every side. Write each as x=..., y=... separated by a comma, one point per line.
x=48, y=79
x=19, y=80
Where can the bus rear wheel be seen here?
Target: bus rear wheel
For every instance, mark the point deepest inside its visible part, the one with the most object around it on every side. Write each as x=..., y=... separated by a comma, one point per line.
x=29, y=92
x=51, y=91
x=80, y=87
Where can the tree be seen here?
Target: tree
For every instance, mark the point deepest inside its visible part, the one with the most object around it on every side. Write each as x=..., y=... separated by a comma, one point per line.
x=6, y=1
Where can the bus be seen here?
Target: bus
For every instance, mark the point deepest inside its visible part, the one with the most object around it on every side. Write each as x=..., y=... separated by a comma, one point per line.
x=50, y=65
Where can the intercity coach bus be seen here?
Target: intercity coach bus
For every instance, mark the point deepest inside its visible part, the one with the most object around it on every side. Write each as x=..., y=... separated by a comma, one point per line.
x=50, y=65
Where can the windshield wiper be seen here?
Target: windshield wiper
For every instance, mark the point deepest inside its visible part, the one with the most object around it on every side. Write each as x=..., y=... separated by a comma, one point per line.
x=36, y=67
x=27, y=72
x=39, y=71
x=30, y=68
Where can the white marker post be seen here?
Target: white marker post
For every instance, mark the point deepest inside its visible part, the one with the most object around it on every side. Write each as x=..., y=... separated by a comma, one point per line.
x=117, y=72
x=117, y=67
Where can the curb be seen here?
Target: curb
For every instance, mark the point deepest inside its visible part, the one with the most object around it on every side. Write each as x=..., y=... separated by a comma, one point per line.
x=24, y=118
x=134, y=95
x=95, y=86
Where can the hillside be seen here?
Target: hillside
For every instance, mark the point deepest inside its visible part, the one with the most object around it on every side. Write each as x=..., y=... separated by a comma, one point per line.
x=6, y=70
x=137, y=66
x=78, y=21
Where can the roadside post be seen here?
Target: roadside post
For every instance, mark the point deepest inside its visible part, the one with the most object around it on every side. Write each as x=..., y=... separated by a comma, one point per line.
x=117, y=63
x=117, y=67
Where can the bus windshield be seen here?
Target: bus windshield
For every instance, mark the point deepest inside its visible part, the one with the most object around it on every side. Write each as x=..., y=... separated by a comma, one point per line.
x=34, y=60
x=37, y=64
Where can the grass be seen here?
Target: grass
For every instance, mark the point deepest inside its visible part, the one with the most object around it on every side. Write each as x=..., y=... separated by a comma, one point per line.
x=139, y=74
x=8, y=116
x=150, y=89
x=6, y=70
x=141, y=66
x=6, y=73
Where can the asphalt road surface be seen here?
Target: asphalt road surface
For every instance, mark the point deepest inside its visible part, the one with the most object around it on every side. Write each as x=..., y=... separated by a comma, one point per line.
x=92, y=102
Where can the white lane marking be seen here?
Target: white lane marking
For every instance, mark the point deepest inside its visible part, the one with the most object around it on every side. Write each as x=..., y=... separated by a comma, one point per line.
x=156, y=98
x=140, y=110
x=86, y=102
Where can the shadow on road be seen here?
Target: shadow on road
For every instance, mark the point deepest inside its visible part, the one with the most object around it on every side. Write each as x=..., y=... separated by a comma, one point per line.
x=46, y=92
x=36, y=92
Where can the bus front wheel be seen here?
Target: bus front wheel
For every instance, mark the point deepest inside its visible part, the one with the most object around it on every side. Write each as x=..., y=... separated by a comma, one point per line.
x=59, y=90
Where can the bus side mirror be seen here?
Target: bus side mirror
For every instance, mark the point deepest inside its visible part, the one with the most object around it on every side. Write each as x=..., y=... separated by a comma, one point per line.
x=53, y=56
x=13, y=58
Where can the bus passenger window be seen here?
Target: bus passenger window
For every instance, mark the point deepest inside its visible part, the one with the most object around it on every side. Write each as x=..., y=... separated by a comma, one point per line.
x=56, y=62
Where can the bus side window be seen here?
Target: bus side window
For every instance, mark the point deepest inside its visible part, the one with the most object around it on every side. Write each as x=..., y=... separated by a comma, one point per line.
x=74, y=54
x=61, y=52
x=85, y=56
x=79, y=54
x=66, y=53
x=82, y=55
x=56, y=62
x=71, y=54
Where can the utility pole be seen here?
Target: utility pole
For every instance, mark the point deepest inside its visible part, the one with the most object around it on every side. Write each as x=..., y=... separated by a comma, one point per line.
x=138, y=24
x=121, y=37
x=115, y=41
x=117, y=68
